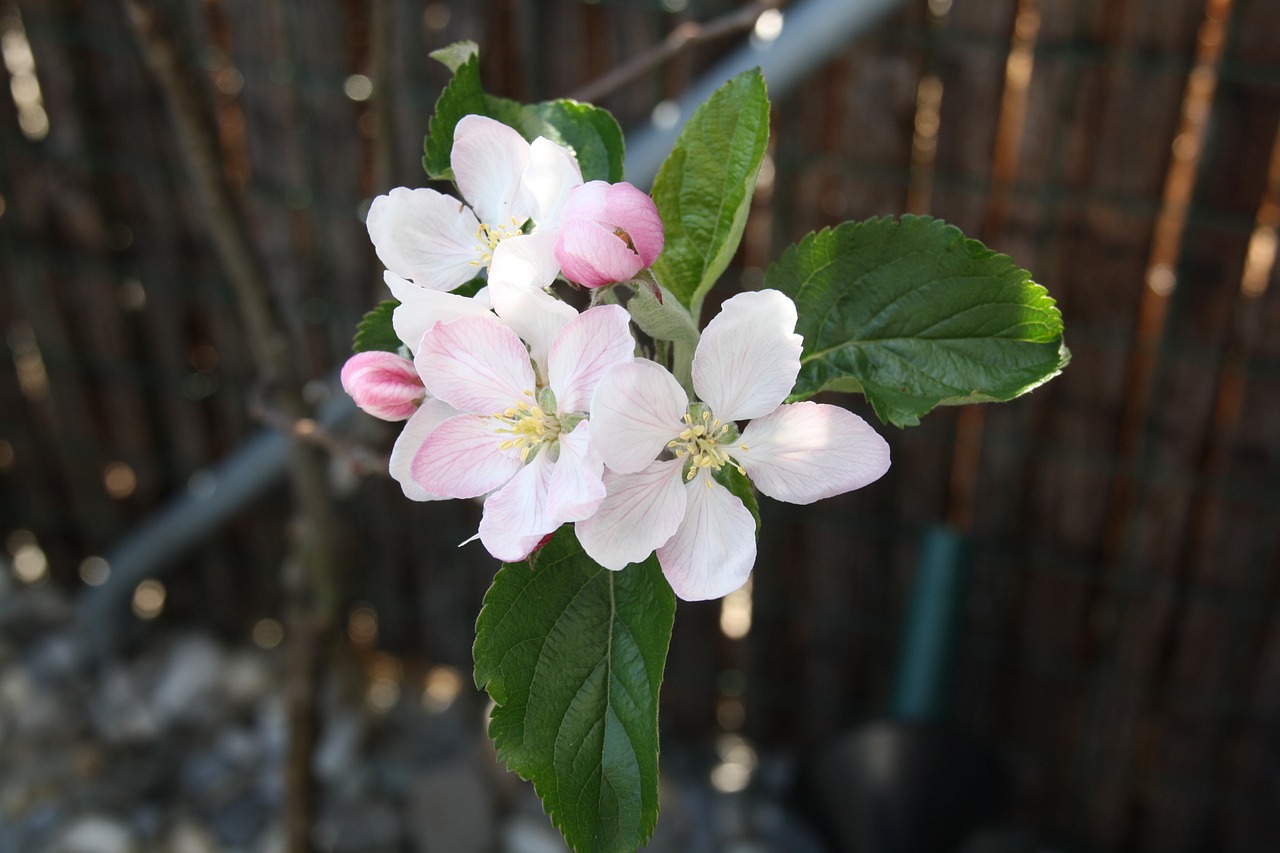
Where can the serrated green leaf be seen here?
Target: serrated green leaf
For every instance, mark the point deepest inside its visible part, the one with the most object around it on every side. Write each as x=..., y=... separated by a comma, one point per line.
x=454, y=56
x=374, y=331
x=572, y=654
x=463, y=95
x=914, y=315
x=591, y=133
x=703, y=190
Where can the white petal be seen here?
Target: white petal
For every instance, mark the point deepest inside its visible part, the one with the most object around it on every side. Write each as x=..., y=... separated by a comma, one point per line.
x=552, y=173
x=714, y=549
x=515, y=518
x=576, y=489
x=462, y=458
x=535, y=315
x=805, y=452
x=429, y=415
x=639, y=513
x=749, y=355
x=420, y=308
x=424, y=236
x=488, y=160
x=475, y=364
x=586, y=347
x=526, y=259
x=636, y=410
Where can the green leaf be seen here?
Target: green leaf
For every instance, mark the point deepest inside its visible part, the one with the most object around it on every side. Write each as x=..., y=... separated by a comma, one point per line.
x=455, y=55
x=703, y=190
x=374, y=331
x=913, y=314
x=572, y=654
x=462, y=96
x=591, y=133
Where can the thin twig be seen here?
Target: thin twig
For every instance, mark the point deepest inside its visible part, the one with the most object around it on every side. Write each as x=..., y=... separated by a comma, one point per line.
x=359, y=458
x=682, y=38
x=310, y=580
x=197, y=143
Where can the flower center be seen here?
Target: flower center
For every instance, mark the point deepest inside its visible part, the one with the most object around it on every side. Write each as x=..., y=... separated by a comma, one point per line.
x=529, y=426
x=490, y=236
x=704, y=442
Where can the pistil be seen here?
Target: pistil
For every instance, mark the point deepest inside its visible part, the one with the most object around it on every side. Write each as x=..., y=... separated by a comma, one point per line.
x=529, y=426
x=490, y=236
x=703, y=443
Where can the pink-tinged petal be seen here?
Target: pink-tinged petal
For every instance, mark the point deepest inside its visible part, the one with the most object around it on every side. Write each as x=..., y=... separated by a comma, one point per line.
x=420, y=309
x=576, y=489
x=515, y=517
x=805, y=452
x=636, y=410
x=633, y=211
x=488, y=159
x=714, y=549
x=462, y=458
x=535, y=315
x=430, y=414
x=639, y=513
x=550, y=177
x=424, y=236
x=588, y=200
x=593, y=255
x=747, y=361
x=586, y=347
x=383, y=384
x=475, y=364
x=528, y=260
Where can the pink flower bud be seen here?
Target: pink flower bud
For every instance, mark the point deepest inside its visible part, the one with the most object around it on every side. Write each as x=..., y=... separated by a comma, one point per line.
x=383, y=384
x=608, y=232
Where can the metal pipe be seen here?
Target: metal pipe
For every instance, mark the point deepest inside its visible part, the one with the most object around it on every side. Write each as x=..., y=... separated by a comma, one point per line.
x=212, y=498
x=812, y=33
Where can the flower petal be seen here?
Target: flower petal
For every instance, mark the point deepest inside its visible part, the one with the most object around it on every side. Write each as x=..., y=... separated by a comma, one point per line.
x=639, y=513
x=488, y=160
x=585, y=348
x=635, y=212
x=549, y=178
x=475, y=364
x=424, y=236
x=593, y=255
x=575, y=489
x=515, y=517
x=805, y=452
x=526, y=259
x=749, y=355
x=461, y=458
x=714, y=549
x=535, y=315
x=383, y=384
x=429, y=415
x=420, y=308
x=636, y=410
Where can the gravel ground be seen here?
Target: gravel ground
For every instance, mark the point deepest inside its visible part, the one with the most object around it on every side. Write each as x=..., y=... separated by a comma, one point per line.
x=180, y=748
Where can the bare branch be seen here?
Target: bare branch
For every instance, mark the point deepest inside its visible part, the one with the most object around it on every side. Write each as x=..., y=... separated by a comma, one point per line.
x=682, y=38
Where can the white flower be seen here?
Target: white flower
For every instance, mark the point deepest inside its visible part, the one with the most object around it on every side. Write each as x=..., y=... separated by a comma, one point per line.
x=522, y=436
x=437, y=243
x=392, y=391
x=661, y=451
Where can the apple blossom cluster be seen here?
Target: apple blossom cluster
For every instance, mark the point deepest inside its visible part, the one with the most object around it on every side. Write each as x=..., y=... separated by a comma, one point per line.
x=548, y=413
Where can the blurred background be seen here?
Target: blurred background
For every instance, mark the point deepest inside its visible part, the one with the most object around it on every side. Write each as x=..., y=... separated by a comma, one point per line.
x=223, y=628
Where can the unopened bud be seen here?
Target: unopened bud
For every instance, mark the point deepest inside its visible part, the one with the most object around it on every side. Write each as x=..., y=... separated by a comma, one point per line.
x=608, y=233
